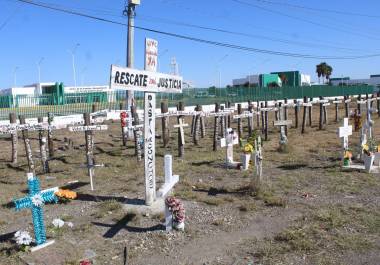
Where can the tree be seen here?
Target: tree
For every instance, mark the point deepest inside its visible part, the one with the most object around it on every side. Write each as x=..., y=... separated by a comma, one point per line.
x=273, y=84
x=324, y=70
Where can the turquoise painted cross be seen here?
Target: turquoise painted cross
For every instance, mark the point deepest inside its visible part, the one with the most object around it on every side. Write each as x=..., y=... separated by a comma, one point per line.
x=35, y=200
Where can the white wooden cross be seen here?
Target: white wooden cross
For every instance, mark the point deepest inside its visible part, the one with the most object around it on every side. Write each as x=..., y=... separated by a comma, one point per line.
x=245, y=114
x=170, y=181
x=344, y=132
x=181, y=125
x=282, y=123
x=231, y=139
x=369, y=121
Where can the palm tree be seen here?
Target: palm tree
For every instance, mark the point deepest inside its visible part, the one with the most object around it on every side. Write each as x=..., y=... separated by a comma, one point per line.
x=319, y=72
x=329, y=71
x=324, y=70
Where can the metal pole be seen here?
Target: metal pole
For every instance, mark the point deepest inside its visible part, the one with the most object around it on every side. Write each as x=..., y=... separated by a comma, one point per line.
x=39, y=69
x=130, y=12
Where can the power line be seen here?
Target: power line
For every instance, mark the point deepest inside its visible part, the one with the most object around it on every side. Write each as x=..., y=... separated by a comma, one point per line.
x=339, y=12
x=256, y=36
x=305, y=20
x=199, y=40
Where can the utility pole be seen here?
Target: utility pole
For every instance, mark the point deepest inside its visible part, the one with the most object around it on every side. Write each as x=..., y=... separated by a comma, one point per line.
x=73, y=62
x=39, y=69
x=129, y=10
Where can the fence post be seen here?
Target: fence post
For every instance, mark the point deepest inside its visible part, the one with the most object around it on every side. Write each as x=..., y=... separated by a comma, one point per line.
x=286, y=114
x=266, y=122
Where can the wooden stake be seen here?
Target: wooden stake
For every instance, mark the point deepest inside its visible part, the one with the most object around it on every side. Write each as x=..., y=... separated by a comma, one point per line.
x=42, y=141
x=320, y=114
x=311, y=113
x=296, y=113
x=135, y=121
x=181, y=147
x=216, y=129
x=202, y=121
x=240, y=125
x=50, y=136
x=266, y=122
x=165, y=124
x=346, y=106
x=196, y=127
x=336, y=109
x=12, y=119
x=359, y=106
x=304, y=115
x=228, y=116
x=262, y=118
x=28, y=148
x=89, y=149
x=286, y=115
x=250, y=119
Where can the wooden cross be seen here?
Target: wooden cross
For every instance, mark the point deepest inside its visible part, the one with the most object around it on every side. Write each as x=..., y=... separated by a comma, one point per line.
x=166, y=189
x=369, y=121
x=230, y=139
x=344, y=132
x=282, y=124
x=180, y=126
x=88, y=129
x=258, y=159
x=35, y=201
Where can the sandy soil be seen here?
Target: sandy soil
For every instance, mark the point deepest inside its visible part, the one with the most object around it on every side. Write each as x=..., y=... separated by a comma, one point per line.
x=308, y=211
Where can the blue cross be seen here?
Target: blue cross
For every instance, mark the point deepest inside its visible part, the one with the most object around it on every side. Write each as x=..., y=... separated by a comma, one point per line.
x=35, y=200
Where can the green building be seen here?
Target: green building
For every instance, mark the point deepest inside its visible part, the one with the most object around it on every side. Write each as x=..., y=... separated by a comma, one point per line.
x=289, y=78
x=266, y=80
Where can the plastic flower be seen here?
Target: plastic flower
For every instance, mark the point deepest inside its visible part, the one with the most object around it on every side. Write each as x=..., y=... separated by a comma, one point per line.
x=58, y=223
x=37, y=200
x=347, y=154
x=248, y=148
x=70, y=224
x=23, y=238
x=68, y=194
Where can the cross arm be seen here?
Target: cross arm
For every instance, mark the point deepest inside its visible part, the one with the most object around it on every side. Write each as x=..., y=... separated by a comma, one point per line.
x=167, y=187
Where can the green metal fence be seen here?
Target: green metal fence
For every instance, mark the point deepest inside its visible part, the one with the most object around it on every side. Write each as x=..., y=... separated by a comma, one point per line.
x=77, y=103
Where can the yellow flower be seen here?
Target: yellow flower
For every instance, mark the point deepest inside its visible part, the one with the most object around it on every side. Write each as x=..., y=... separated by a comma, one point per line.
x=68, y=194
x=248, y=148
x=365, y=147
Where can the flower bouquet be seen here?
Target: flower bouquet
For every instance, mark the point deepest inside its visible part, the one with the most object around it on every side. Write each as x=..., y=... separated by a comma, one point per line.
x=246, y=156
x=178, y=211
x=347, y=158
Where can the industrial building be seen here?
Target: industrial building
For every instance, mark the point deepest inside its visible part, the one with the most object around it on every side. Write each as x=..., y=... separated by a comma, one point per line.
x=373, y=80
x=286, y=78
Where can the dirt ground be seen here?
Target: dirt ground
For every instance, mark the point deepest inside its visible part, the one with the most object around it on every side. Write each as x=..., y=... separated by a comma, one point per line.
x=308, y=211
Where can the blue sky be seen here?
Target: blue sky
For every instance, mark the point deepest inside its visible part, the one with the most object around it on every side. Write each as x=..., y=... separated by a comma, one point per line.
x=28, y=33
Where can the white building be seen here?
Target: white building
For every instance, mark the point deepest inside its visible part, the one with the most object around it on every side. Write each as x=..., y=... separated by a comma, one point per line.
x=250, y=79
x=373, y=80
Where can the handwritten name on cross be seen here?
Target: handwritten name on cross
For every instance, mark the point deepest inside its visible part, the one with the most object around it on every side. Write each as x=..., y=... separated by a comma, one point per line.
x=35, y=201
